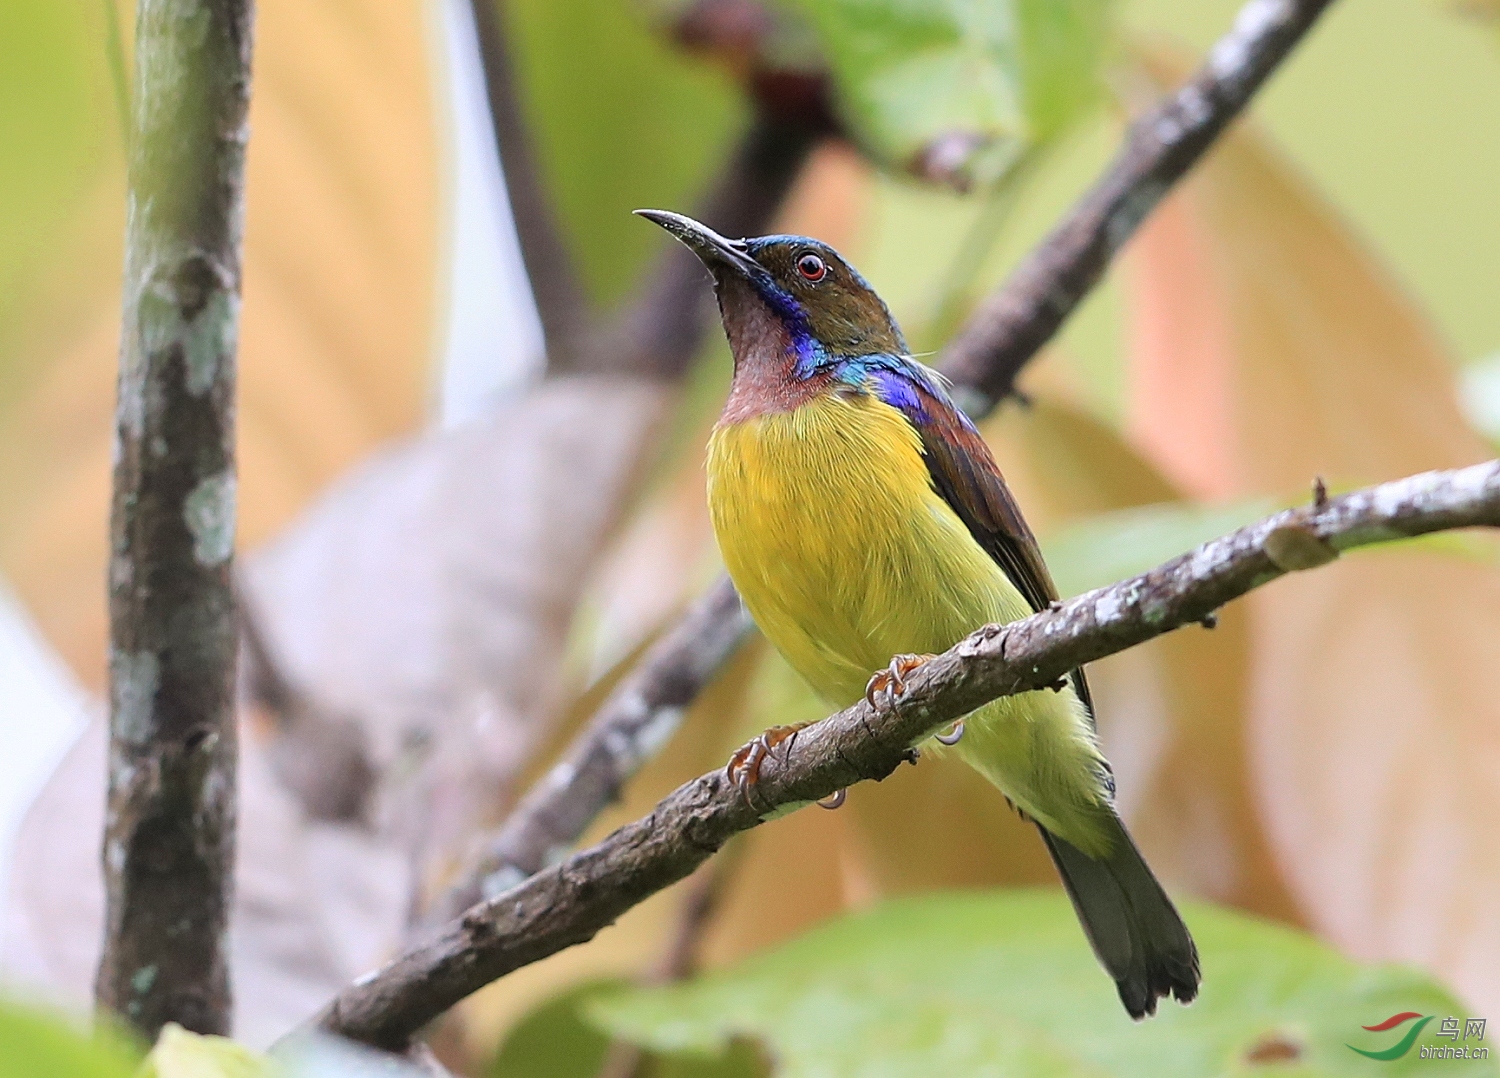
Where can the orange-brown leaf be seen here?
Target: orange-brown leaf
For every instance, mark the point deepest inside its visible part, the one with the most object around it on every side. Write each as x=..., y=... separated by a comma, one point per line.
x=336, y=331
x=1270, y=347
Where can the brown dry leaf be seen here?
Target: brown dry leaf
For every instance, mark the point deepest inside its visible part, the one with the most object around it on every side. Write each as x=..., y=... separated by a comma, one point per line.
x=1270, y=347
x=1376, y=728
x=341, y=246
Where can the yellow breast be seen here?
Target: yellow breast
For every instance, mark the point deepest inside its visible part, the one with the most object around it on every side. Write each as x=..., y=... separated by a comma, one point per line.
x=841, y=549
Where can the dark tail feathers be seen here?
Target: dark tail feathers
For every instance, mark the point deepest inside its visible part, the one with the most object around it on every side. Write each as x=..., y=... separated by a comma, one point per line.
x=1135, y=930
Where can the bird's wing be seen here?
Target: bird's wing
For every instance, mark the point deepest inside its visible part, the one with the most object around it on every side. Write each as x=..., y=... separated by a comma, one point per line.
x=964, y=473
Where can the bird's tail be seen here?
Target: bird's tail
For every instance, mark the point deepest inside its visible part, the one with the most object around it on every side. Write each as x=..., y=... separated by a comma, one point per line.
x=1135, y=930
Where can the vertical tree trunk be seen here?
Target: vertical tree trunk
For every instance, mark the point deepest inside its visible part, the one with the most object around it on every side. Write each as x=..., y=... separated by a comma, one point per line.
x=169, y=832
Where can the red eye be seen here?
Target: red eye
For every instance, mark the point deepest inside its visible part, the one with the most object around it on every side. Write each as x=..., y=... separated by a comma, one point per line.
x=811, y=267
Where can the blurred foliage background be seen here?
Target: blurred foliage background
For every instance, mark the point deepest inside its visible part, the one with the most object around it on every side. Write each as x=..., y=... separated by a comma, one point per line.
x=1319, y=298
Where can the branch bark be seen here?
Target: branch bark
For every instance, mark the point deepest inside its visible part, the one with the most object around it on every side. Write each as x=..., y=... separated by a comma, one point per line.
x=169, y=835
x=641, y=714
x=561, y=305
x=570, y=902
x=318, y=754
x=1162, y=146
x=983, y=361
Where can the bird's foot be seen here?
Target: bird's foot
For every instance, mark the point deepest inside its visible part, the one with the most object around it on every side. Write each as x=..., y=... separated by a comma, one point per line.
x=892, y=680
x=744, y=766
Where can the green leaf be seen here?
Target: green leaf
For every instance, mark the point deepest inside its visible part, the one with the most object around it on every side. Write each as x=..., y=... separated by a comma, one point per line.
x=33, y=1043
x=1112, y=546
x=57, y=127
x=961, y=89
x=1002, y=983
x=554, y=1041
x=621, y=121
x=181, y=1054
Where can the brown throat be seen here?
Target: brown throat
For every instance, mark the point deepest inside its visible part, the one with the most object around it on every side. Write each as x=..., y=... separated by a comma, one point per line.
x=765, y=379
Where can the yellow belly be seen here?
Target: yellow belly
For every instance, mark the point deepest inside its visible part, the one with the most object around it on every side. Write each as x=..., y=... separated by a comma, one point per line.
x=843, y=552
x=846, y=556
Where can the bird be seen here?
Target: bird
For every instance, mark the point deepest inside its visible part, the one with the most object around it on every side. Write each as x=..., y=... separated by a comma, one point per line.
x=867, y=527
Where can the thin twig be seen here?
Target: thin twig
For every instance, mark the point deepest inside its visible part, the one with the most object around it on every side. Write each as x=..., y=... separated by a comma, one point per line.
x=636, y=720
x=561, y=305
x=983, y=361
x=317, y=754
x=661, y=332
x=570, y=902
x=169, y=832
x=1163, y=145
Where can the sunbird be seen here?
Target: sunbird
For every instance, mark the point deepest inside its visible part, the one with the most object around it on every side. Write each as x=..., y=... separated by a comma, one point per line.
x=867, y=527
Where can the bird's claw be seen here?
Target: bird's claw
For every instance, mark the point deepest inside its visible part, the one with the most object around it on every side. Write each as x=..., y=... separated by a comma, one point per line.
x=892, y=680
x=836, y=800
x=954, y=736
x=743, y=769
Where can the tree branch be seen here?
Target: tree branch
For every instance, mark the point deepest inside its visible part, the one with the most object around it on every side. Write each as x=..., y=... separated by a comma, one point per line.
x=982, y=361
x=639, y=716
x=169, y=832
x=570, y=902
x=1162, y=146
x=561, y=303
x=317, y=754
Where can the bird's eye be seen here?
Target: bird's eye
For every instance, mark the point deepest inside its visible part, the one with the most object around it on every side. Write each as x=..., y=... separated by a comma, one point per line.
x=811, y=267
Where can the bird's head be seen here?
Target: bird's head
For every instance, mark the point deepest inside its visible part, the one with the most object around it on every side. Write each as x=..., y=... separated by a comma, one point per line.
x=788, y=301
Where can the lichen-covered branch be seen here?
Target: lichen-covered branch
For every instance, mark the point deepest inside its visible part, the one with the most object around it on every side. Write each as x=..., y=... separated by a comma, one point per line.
x=983, y=361
x=571, y=901
x=169, y=832
x=1163, y=145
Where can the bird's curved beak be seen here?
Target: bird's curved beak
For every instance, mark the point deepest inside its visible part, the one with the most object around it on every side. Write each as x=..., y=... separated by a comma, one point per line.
x=715, y=251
